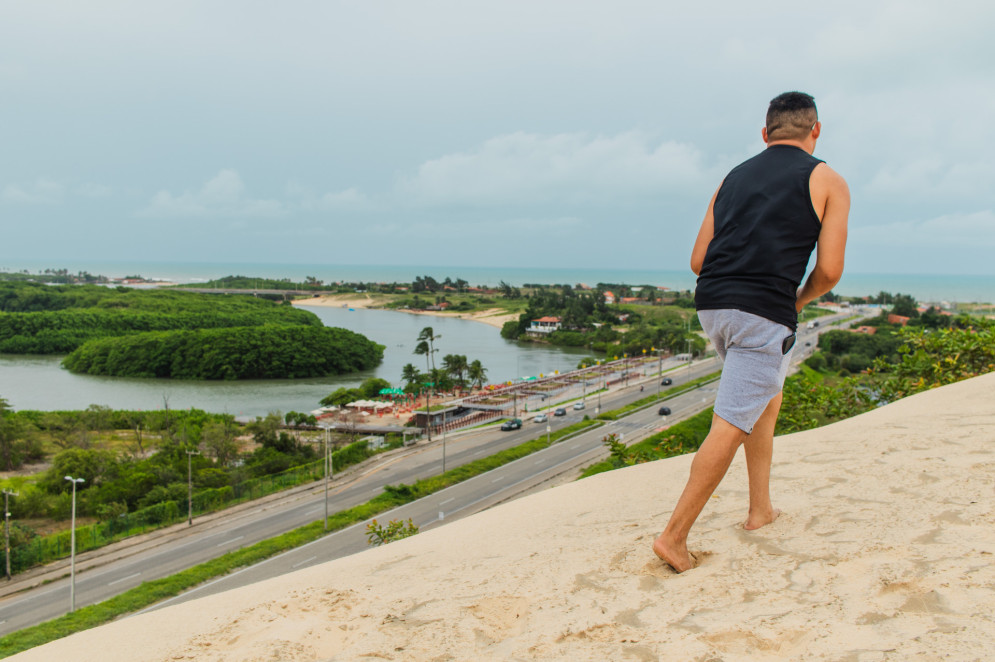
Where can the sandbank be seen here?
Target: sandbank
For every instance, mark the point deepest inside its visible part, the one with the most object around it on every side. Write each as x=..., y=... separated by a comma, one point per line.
x=884, y=551
x=495, y=317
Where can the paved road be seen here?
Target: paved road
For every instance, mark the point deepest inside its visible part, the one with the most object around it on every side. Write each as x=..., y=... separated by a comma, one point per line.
x=208, y=539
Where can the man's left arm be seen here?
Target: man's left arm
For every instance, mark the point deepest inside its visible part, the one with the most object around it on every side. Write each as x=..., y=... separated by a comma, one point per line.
x=830, y=187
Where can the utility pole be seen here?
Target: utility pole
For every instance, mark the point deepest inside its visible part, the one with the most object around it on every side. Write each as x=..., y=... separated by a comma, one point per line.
x=689, y=359
x=6, y=525
x=72, y=548
x=428, y=414
x=659, y=355
x=190, y=455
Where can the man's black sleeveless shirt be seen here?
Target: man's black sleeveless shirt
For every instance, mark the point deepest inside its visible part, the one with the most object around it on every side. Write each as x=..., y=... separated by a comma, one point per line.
x=765, y=230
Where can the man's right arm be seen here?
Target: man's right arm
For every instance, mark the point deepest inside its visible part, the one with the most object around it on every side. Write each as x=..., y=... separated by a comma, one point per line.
x=831, y=195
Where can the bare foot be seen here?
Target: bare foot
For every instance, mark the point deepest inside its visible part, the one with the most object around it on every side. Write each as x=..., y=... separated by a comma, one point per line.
x=756, y=520
x=673, y=554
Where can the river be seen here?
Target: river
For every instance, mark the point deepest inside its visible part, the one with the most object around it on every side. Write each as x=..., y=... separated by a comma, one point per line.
x=39, y=382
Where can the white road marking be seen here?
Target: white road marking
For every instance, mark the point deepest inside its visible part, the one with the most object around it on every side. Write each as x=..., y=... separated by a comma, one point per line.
x=221, y=544
x=538, y=461
x=303, y=562
x=497, y=479
x=447, y=501
x=123, y=579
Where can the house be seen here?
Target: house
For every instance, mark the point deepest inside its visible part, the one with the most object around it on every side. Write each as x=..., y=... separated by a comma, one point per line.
x=632, y=300
x=438, y=306
x=544, y=326
x=609, y=297
x=869, y=330
x=897, y=319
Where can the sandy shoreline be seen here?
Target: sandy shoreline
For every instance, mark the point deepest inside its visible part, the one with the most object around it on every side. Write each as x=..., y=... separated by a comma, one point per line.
x=883, y=552
x=495, y=317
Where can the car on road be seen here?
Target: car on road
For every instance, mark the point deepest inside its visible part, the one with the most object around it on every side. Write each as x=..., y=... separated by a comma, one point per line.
x=579, y=405
x=667, y=381
x=664, y=411
x=512, y=424
x=540, y=418
x=560, y=411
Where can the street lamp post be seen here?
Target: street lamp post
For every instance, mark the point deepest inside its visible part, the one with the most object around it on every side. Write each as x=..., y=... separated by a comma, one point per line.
x=72, y=548
x=190, y=455
x=443, y=440
x=689, y=359
x=659, y=376
x=329, y=468
x=6, y=526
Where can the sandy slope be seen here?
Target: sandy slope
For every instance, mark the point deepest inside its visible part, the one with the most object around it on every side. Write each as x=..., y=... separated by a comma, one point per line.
x=885, y=552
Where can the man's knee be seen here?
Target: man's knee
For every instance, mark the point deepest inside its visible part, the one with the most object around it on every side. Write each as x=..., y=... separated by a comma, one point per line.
x=726, y=432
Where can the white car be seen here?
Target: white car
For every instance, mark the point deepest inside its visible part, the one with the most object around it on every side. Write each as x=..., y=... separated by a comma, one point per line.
x=579, y=405
x=541, y=418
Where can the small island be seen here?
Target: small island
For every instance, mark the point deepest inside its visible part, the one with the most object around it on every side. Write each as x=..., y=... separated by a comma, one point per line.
x=124, y=332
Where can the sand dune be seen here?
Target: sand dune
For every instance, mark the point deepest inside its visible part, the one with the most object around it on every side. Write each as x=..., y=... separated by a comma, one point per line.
x=885, y=551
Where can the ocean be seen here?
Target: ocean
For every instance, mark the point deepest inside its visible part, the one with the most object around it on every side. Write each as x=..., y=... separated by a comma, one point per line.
x=924, y=287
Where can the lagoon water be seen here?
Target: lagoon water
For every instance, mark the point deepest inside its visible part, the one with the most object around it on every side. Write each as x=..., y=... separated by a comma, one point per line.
x=39, y=382
x=34, y=382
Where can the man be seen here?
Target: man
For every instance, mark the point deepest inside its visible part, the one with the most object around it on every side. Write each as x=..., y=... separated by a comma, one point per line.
x=750, y=256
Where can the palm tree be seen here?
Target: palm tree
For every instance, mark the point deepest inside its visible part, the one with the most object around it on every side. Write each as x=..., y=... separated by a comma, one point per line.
x=409, y=373
x=477, y=373
x=427, y=335
x=456, y=365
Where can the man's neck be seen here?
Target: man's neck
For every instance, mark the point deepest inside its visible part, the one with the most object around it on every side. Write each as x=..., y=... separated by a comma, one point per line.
x=805, y=145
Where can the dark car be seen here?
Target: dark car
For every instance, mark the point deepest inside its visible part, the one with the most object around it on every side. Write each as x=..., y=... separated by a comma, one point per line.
x=560, y=411
x=664, y=411
x=512, y=424
x=667, y=381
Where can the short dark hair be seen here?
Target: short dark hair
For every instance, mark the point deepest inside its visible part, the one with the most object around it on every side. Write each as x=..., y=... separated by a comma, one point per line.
x=791, y=116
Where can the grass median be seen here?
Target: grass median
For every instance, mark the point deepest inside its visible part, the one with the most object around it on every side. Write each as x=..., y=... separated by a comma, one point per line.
x=672, y=392
x=154, y=591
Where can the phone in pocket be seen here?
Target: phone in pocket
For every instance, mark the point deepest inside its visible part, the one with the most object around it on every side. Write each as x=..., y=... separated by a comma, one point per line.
x=787, y=344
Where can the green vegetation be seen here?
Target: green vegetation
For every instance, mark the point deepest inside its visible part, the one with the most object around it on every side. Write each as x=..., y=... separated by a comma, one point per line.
x=678, y=439
x=41, y=319
x=617, y=329
x=61, y=276
x=377, y=534
x=134, y=465
x=162, y=333
x=263, y=352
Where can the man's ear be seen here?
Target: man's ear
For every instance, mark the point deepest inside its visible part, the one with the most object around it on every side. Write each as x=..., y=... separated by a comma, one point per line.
x=763, y=134
x=816, y=130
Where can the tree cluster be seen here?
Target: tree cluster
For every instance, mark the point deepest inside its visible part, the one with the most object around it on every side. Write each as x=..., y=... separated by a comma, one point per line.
x=37, y=319
x=259, y=352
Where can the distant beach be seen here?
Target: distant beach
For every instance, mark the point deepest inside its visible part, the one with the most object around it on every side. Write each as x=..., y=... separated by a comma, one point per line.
x=924, y=287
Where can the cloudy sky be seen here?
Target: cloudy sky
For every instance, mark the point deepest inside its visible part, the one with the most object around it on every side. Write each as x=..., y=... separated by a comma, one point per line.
x=511, y=133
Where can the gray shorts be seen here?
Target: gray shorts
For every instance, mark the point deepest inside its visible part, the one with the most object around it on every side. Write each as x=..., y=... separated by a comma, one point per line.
x=754, y=370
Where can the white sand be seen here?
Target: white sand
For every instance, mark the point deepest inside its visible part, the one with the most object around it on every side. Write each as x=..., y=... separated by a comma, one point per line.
x=884, y=552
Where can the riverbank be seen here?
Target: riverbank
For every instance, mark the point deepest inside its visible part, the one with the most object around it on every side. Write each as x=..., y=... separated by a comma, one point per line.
x=495, y=317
